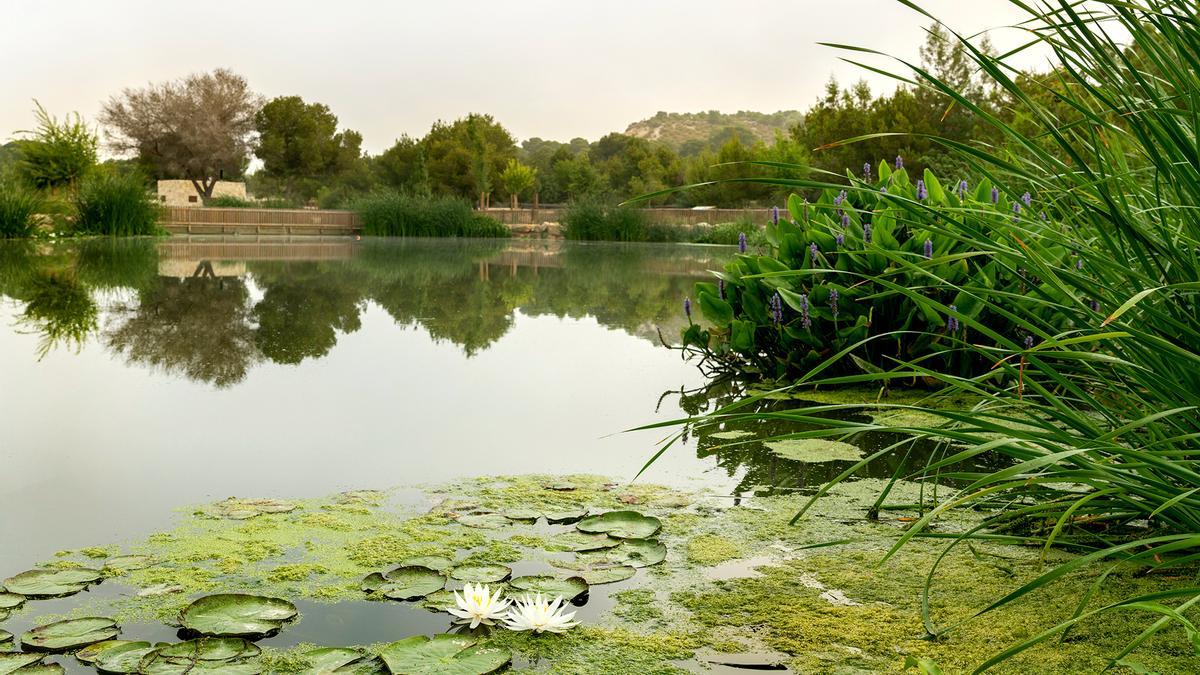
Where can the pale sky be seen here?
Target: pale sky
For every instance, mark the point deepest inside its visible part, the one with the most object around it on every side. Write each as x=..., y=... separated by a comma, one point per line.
x=551, y=68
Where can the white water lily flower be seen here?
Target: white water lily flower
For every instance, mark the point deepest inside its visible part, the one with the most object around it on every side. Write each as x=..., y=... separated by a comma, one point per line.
x=478, y=605
x=538, y=614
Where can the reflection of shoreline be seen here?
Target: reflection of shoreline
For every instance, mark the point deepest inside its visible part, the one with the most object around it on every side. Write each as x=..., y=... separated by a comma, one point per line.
x=186, y=305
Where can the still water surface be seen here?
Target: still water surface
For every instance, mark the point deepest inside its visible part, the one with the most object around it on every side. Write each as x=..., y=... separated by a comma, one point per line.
x=139, y=376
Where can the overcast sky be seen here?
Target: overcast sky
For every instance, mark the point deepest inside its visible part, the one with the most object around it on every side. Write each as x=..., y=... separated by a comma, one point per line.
x=550, y=68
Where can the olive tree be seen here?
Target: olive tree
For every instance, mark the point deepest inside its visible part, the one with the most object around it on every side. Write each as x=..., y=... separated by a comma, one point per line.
x=199, y=127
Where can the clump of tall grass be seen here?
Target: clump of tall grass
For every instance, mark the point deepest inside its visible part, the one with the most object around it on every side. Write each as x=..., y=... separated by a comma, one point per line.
x=19, y=208
x=395, y=214
x=1094, y=392
x=114, y=204
x=729, y=234
x=593, y=220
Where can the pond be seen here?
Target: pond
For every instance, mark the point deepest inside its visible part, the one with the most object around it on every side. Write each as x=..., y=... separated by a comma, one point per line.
x=143, y=380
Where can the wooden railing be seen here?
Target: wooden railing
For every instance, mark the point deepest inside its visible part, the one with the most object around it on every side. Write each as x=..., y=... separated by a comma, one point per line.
x=191, y=220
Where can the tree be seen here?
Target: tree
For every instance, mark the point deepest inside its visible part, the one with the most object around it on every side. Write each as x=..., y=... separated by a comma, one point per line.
x=198, y=128
x=403, y=168
x=517, y=178
x=300, y=146
x=56, y=154
x=465, y=158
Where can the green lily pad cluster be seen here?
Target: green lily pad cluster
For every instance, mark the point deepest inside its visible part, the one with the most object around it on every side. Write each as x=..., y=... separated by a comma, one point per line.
x=627, y=542
x=26, y=663
x=406, y=582
x=116, y=656
x=229, y=656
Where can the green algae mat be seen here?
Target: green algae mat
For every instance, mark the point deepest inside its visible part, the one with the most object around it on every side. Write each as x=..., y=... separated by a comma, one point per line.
x=661, y=580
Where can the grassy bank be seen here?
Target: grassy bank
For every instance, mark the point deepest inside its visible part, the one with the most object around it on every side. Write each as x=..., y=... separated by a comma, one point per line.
x=394, y=214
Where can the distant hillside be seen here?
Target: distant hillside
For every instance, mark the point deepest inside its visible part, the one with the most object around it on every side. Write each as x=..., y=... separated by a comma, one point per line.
x=693, y=131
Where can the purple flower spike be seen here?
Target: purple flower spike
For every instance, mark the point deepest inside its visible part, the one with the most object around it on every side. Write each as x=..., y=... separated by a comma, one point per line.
x=741, y=242
x=899, y=162
x=805, y=319
x=867, y=170
x=922, y=191
x=1027, y=198
x=1095, y=305
x=721, y=288
x=928, y=248
x=1028, y=342
x=845, y=220
x=1042, y=215
x=952, y=321
x=840, y=239
x=777, y=309
x=687, y=307
x=813, y=251
x=962, y=189
x=1079, y=264
x=883, y=189
x=867, y=232
x=775, y=215
x=995, y=195
x=833, y=302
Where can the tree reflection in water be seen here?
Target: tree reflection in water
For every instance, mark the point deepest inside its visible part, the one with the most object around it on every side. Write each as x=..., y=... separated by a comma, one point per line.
x=210, y=310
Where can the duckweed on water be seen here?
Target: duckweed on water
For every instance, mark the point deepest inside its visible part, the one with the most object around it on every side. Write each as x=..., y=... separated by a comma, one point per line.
x=735, y=579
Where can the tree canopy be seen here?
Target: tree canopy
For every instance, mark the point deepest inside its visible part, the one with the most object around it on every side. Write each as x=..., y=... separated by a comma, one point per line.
x=199, y=127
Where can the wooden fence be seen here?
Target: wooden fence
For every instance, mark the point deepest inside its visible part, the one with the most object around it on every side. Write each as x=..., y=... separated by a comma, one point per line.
x=193, y=220
x=204, y=220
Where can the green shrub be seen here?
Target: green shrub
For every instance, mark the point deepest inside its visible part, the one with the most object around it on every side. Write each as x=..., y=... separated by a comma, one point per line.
x=591, y=220
x=116, y=205
x=231, y=202
x=59, y=153
x=19, y=208
x=394, y=214
x=728, y=234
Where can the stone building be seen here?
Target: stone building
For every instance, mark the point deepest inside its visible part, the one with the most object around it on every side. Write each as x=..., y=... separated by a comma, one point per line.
x=183, y=193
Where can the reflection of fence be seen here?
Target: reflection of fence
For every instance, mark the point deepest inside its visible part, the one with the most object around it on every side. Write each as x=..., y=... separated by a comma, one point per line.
x=183, y=220
x=182, y=254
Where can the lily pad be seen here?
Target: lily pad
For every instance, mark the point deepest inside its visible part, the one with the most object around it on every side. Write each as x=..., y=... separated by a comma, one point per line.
x=9, y=602
x=565, y=516
x=621, y=524
x=126, y=563
x=236, y=615
x=632, y=552
x=52, y=583
x=568, y=588
x=160, y=589
x=229, y=656
x=243, y=509
x=69, y=634
x=342, y=660
x=367, y=497
x=487, y=521
x=407, y=582
x=11, y=662
x=582, y=541
x=607, y=575
x=523, y=515
x=814, y=450
x=481, y=574
x=433, y=562
x=438, y=601
x=731, y=435
x=5, y=637
x=444, y=655
x=119, y=656
x=42, y=669
x=90, y=652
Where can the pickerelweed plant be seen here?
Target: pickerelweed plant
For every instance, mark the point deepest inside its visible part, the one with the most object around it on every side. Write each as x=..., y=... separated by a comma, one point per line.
x=884, y=271
x=1092, y=384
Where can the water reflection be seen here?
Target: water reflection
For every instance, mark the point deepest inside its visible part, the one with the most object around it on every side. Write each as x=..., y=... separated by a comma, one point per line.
x=209, y=310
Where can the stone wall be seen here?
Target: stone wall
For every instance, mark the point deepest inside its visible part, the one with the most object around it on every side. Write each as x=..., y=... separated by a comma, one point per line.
x=183, y=193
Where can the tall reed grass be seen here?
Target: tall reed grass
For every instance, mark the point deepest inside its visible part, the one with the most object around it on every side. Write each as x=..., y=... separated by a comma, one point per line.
x=395, y=214
x=1094, y=393
x=116, y=205
x=19, y=208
